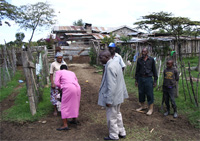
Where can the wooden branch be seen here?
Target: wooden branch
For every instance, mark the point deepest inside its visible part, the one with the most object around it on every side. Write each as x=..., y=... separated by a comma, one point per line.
x=182, y=79
x=191, y=82
x=197, y=86
x=187, y=82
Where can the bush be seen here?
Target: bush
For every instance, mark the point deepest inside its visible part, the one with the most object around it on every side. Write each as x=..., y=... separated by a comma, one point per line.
x=93, y=56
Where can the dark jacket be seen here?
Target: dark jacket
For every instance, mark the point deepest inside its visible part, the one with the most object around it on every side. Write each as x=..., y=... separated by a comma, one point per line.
x=146, y=68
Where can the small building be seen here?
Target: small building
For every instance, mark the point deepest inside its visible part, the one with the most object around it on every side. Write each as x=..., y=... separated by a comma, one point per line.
x=76, y=41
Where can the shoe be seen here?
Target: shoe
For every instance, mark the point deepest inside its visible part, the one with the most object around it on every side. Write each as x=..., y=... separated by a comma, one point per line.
x=65, y=128
x=108, y=138
x=166, y=113
x=175, y=115
x=122, y=137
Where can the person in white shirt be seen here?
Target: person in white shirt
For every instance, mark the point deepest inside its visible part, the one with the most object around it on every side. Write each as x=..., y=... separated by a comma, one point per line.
x=55, y=66
x=115, y=56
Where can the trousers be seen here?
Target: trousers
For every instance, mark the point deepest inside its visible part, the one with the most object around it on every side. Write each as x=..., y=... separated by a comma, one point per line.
x=169, y=95
x=145, y=87
x=115, y=122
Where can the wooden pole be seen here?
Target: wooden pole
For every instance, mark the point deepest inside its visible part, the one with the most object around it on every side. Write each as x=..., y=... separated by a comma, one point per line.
x=29, y=83
x=11, y=62
x=182, y=78
x=159, y=68
x=14, y=59
x=197, y=87
x=191, y=82
x=5, y=65
x=187, y=82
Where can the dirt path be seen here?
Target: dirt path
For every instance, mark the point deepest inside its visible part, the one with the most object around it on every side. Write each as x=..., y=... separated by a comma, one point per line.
x=93, y=120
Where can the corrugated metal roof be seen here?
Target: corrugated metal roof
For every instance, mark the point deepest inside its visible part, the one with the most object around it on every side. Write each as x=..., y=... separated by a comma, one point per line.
x=76, y=34
x=80, y=28
x=97, y=36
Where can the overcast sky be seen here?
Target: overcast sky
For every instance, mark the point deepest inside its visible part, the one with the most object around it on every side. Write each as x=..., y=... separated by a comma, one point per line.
x=102, y=13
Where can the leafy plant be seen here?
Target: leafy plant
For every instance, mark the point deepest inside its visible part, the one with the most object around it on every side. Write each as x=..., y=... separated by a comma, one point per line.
x=93, y=56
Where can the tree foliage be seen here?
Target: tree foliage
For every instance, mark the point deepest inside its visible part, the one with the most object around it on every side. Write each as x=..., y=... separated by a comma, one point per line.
x=36, y=15
x=78, y=23
x=176, y=26
x=19, y=36
x=165, y=21
x=7, y=11
x=126, y=50
x=107, y=40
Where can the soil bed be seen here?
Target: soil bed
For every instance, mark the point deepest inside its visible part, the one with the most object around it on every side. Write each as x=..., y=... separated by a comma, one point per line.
x=93, y=119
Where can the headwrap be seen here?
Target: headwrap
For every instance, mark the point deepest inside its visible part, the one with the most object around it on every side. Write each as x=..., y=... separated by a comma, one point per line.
x=59, y=54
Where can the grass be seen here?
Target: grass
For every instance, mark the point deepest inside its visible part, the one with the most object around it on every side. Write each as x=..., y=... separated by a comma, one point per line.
x=187, y=107
x=20, y=112
x=9, y=88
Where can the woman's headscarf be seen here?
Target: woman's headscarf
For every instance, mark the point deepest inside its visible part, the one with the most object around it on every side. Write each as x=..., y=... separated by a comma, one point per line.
x=59, y=54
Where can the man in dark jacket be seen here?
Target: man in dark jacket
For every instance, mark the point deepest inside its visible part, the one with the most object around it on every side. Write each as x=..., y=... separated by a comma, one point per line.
x=145, y=69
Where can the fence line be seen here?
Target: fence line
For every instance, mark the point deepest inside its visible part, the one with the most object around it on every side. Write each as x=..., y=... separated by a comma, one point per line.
x=35, y=81
x=7, y=64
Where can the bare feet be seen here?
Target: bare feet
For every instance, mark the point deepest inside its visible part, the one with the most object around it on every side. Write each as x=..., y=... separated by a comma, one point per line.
x=55, y=113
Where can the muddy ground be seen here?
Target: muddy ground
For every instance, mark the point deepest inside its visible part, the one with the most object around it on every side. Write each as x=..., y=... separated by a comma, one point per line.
x=93, y=119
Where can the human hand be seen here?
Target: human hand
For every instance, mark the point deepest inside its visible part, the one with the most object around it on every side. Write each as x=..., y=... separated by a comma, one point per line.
x=136, y=84
x=108, y=105
x=53, y=86
x=154, y=84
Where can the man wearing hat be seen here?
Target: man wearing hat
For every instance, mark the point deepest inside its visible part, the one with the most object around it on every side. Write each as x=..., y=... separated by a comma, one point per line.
x=115, y=56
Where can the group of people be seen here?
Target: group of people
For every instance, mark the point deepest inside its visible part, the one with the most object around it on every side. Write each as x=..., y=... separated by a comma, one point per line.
x=64, y=86
x=112, y=92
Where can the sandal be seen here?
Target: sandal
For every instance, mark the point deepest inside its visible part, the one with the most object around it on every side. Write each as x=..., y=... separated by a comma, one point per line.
x=64, y=128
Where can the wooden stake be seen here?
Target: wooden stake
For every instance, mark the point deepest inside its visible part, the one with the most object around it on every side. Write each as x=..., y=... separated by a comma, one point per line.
x=197, y=87
x=182, y=78
x=191, y=82
x=29, y=83
x=187, y=82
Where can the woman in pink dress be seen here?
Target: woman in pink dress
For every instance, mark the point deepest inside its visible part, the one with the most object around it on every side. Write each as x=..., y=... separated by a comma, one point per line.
x=71, y=93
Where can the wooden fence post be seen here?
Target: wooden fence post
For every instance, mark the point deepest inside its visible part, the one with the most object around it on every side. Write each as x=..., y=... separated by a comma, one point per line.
x=29, y=82
x=5, y=66
x=182, y=78
x=14, y=58
x=191, y=82
x=187, y=82
x=45, y=68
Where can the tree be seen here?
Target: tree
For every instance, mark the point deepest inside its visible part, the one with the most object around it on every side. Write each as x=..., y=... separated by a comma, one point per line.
x=19, y=38
x=176, y=26
x=7, y=11
x=107, y=40
x=36, y=15
x=78, y=23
